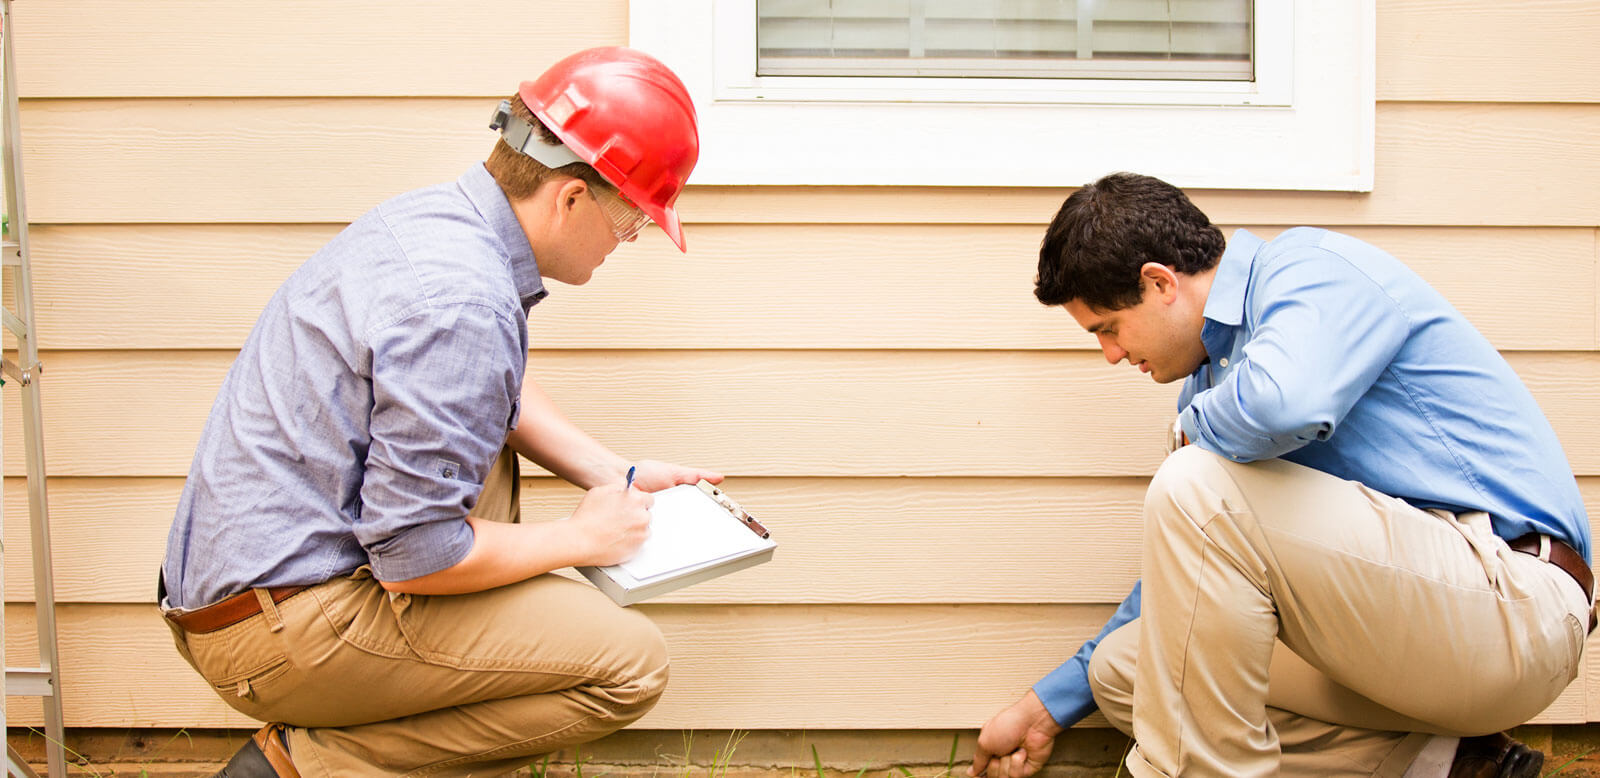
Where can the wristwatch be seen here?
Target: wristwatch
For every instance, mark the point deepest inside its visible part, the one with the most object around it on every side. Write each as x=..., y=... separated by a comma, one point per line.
x=1176, y=439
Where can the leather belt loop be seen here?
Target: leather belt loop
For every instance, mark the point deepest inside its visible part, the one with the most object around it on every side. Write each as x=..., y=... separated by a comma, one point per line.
x=1559, y=554
x=235, y=609
x=270, y=608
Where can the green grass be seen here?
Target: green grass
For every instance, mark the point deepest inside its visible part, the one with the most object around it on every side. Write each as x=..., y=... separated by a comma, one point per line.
x=1568, y=763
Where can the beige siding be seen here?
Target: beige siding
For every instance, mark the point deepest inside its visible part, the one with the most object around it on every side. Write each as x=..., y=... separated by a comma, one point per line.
x=1467, y=50
x=831, y=666
x=953, y=473
x=1478, y=51
x=290, y=160
x=789, y=286
x=819, y=413
x=857, y=541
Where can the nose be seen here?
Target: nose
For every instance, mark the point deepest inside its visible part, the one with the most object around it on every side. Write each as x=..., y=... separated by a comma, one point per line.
x=1113, y=352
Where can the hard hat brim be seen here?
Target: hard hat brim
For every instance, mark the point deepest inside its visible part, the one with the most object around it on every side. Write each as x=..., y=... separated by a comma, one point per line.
x=667, y=218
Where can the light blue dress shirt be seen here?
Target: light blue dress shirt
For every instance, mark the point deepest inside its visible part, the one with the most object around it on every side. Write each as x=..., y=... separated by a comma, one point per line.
x=1326, y=351
x=359, y=420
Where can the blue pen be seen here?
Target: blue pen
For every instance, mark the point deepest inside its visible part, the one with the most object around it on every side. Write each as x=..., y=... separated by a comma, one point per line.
x=630, y=477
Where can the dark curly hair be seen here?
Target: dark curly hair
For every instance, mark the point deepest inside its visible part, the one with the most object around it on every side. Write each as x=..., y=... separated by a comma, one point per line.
x=1107, y=230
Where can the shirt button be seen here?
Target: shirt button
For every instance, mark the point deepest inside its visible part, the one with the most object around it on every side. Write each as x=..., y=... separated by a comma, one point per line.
x=1223, y=361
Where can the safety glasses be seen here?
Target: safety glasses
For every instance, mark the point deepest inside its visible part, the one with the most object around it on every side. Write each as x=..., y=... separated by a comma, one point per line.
x=626, y=219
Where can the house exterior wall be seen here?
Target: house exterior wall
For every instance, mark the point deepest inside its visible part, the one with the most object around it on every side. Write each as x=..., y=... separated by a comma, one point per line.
x=953, y=473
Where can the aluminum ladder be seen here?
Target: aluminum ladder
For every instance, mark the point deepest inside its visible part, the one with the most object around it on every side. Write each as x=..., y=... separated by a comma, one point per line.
x=43, y=680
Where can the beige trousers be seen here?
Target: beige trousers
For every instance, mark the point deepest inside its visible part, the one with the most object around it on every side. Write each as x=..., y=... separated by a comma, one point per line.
x=463, y=685
x=1294, y=623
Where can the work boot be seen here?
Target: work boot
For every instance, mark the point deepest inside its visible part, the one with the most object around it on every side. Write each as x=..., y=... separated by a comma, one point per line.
x=1495, y=756
x=264, y=755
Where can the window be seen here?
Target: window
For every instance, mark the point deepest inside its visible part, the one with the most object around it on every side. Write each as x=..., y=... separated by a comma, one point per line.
x=1208, y=40
x=1203, y=93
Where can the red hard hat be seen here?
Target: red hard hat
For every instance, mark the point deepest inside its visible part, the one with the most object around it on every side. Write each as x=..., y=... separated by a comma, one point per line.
x=630, y=118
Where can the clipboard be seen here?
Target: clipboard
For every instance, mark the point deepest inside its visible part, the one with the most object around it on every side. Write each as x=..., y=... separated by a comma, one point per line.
x=697, y=533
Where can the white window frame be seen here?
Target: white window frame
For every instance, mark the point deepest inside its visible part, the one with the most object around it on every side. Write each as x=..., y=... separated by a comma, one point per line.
x=1306, y=122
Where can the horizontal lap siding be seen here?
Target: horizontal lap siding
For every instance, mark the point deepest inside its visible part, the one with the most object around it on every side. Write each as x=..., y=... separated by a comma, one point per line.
x=858, y=541
x=753, y=286
x=854, y=540
x=292, y=160
x=953, y=472
x=1472, y=50
x=782, y=413
x=830, y=666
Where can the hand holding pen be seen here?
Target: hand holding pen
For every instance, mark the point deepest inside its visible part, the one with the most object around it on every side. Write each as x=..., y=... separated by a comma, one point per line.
x=611, y=522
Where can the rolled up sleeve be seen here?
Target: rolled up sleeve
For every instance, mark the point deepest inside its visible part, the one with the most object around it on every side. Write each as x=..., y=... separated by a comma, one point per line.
x=444, y=381
x=1065, y=691
x=1323, y=334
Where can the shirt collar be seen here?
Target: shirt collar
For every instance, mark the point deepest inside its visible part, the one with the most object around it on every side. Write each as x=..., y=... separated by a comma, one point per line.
x=486, y=195
x=1225, y=302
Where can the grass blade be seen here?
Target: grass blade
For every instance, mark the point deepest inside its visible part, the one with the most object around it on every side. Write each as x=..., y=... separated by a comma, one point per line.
x=1568, y=763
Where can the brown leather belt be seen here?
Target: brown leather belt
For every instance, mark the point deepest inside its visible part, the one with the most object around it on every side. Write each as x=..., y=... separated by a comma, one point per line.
x=231, y=611
x=1562, y=556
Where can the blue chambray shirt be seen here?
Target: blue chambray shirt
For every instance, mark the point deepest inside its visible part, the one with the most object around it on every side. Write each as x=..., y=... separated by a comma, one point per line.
x=359, y=419
x=1326, y=351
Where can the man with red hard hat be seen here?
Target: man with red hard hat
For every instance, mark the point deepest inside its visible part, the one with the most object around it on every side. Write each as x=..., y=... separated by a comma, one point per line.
x=347, y=560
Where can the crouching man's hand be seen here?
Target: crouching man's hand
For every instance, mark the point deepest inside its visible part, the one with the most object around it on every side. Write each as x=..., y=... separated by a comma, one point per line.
x=1015, y=743
x=653, y=476
x=611, y=522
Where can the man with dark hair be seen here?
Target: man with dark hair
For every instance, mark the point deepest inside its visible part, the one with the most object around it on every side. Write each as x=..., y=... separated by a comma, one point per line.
x=346, y=561
x=1373, y=557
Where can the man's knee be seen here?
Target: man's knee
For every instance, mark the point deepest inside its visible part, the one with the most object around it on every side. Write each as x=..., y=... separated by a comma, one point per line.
x=1185, y=486
x=643, y=676
x=1112, y=668
x=1115, y=661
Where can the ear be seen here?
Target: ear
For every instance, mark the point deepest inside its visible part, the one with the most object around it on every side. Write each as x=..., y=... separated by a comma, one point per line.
x=568, y=194
x=1161, y=278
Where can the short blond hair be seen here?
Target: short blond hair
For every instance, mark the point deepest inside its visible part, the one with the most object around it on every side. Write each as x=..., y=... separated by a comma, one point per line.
x=520, y=175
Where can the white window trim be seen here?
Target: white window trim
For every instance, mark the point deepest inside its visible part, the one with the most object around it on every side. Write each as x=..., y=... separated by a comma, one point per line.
x=1307, y=123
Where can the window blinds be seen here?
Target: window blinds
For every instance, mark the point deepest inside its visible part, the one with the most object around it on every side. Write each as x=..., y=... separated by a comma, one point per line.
x=1110, y=39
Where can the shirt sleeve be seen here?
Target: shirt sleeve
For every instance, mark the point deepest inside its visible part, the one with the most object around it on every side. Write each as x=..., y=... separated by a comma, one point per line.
x=1323, y=333
x=444, y=385
x=1065, y=691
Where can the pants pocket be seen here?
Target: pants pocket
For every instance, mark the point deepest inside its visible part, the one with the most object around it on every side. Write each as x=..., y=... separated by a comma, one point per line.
x=1575, y=638
x=360, y=612
x=245, y=663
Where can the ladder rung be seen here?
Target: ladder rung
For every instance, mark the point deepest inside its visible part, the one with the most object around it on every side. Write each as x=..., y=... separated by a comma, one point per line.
x=10, y=253
x=28, y=682
x=16, y=765
x=10, y=320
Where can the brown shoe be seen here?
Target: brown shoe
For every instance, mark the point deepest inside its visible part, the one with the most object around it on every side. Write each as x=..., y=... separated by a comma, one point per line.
x=264, y=755
x=1495, y=756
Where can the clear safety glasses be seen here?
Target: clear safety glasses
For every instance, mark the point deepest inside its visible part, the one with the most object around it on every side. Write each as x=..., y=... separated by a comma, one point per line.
x=626, y=219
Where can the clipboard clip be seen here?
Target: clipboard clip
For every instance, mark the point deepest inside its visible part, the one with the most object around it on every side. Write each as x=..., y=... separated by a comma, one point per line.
x=734, y=508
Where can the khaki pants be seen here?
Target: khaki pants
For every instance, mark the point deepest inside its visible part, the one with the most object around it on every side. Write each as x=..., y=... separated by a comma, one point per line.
x=1371, y=619
x=477, y=684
